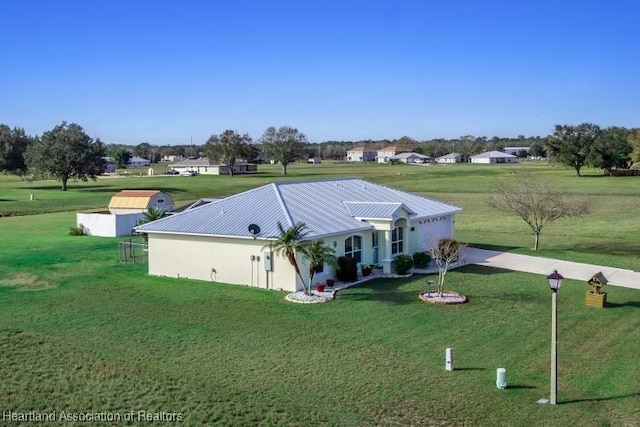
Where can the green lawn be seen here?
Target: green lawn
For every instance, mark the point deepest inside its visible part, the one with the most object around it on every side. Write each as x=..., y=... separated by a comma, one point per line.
x=81, y=332
x=608, y=235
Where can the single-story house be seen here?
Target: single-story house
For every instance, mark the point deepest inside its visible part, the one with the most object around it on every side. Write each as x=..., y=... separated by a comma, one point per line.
x=491, y=157
x=172, y=158
x=410, y=158
x=361, y=154
x=205, y=166
x=452, y=158
x=314, y=160
x=109, y=165
x=228, y=240
x=125, y=210
x=516, y=150
x=137, y=161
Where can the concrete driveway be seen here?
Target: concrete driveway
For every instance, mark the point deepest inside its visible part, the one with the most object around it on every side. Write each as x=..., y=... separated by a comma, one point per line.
x=545, y=266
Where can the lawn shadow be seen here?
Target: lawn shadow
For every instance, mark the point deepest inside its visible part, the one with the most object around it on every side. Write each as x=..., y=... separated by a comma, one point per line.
x=384, y=290
x=601, y=399
x=8, y=200
x=624, y=304
x=490, y=247
x=613, y=247
x=520, y=387
x=481, y=269
x=470, y=369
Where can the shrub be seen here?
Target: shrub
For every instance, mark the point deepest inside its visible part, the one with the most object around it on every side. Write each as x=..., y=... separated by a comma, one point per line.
x=402, y=264
x=421, y=259
x=347, y=269
x=78, y=230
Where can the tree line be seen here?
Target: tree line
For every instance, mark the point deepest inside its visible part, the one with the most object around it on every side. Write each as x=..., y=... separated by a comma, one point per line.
x=67, y=152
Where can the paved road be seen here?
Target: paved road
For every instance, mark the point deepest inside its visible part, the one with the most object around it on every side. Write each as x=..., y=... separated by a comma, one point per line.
x=545, y=266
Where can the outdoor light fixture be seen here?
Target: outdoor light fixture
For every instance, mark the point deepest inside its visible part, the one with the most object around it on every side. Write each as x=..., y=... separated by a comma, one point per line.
x=555, y=281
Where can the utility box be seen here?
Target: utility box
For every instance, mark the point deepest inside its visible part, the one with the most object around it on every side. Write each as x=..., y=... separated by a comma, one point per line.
x=501, y=378
x=448, y=355
x=267, y=259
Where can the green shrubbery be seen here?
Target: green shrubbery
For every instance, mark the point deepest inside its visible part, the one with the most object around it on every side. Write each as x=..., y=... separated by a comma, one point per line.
x=402, y=264
x=78, y=230
x=347, y=269
x=421, y=259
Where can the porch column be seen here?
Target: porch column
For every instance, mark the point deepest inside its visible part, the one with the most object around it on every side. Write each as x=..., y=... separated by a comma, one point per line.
x=386, y=261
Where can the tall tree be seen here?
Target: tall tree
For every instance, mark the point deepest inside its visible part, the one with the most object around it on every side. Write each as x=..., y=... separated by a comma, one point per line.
x=611, y=149
x=289, y=243
x=67, y=152
x=13, y=146
x=536, y=202
x=228, y=147
x=572, y=145
x=634, y=141
x=144, y=150
x=122, y=157
x=284, y=144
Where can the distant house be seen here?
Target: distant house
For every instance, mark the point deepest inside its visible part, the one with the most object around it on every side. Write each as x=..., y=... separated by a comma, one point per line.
x=516, y=150
x=492, y=157
x=137, y=161
x=314, y=160
x=361, y=154
x=109, y=165
x=125, y=210
x=410, y=158
x=172, y=158
x=384, y=155
x=205, y=166
x=227, y=240
x=452, y=158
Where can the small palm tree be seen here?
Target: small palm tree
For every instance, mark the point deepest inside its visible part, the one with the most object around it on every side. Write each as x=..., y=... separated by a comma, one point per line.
x=150, y=215
x=289, y=243
x=317, y=252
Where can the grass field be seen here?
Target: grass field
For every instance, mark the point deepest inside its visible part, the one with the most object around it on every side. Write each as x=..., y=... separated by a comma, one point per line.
x=81, y=332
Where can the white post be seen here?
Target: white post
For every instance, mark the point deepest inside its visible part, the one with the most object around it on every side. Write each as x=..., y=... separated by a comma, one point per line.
x=448, y=352
x=554, y=350
x=501, y=378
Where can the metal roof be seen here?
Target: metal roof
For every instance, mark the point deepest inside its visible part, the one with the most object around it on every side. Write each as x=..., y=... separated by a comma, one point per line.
x=326, y=207
x=490, y=154
x=407, y=155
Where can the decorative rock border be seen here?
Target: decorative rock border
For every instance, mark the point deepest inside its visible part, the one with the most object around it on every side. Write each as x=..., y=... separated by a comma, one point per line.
x=448, y=297
x=316, y=297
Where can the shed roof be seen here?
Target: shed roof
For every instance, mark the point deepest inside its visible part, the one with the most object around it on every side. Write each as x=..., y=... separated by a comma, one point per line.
x=325, y=207
x=132, y=199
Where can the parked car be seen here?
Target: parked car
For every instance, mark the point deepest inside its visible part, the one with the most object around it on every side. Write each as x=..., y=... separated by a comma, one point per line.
x=172, y=172
x=188, y=173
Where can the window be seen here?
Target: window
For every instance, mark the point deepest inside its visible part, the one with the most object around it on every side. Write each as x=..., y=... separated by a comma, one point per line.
x=319, y=269
x=353, y=248
x=160, y=201
x=397, y=242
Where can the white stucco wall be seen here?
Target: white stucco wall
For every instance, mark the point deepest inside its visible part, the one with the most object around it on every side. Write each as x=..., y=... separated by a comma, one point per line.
x=217, y=259
x=106, y=224
x=429, y=231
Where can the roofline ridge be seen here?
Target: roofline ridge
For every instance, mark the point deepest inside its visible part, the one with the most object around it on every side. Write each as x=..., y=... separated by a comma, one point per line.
x=280, y=199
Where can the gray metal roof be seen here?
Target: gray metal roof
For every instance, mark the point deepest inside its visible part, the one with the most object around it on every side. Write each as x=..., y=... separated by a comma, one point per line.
x=326, y=207
x=408, y=155
x=490, y=154
x=374, y=210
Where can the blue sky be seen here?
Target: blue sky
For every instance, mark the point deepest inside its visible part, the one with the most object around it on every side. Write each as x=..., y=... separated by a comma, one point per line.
x=168, y=72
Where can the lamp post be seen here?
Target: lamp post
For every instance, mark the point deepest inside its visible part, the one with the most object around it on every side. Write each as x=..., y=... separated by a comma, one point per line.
x=555, y=281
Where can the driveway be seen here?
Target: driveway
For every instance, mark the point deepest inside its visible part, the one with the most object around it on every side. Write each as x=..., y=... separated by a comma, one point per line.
x=545, y=266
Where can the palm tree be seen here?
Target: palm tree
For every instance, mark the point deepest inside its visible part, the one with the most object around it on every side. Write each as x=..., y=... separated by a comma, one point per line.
x=150, y=215
x=317, y=252
x=289, y=243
